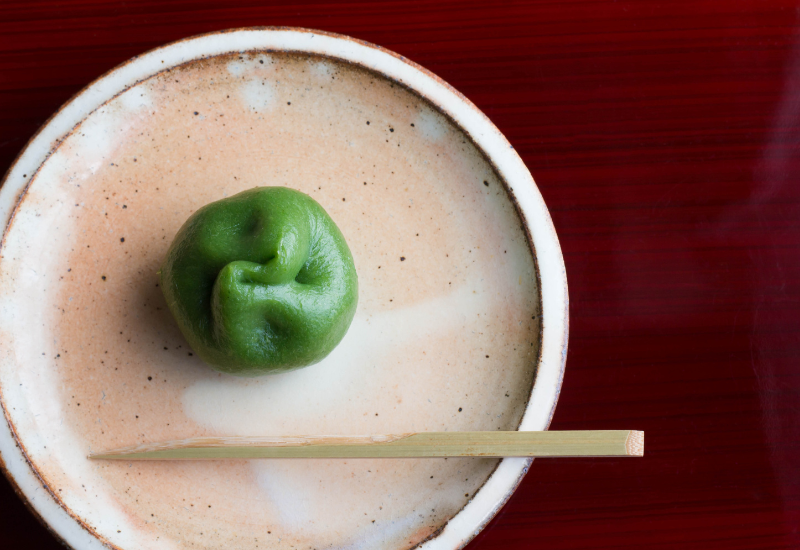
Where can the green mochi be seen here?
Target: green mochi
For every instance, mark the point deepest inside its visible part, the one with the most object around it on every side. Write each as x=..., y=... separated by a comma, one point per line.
x=261, y=282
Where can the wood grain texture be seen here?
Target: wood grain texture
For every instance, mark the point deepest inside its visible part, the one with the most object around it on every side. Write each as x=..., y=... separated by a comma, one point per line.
x=665, y=138
x=596, y=443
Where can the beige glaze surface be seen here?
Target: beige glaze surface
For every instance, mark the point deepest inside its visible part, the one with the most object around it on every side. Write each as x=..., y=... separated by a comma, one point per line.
x=445, y=337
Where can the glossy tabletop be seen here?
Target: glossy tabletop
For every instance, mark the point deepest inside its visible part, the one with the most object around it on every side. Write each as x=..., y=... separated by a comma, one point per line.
x=665, y=138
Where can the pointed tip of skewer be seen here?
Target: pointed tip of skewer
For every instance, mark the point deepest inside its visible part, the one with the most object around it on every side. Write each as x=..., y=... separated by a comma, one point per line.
x=108, y=455
x=634, y=445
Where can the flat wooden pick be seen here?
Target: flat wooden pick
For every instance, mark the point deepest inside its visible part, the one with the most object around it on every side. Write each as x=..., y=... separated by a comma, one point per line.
x=597, y=443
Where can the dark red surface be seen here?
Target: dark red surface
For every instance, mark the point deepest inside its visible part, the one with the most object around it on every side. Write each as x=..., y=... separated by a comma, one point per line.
x=665, y=138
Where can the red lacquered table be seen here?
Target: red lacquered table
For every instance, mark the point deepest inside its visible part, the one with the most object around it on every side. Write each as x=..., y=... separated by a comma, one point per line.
x=665, y=139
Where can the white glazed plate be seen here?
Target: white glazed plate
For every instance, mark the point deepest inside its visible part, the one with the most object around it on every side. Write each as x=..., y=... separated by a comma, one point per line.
x=458, y=327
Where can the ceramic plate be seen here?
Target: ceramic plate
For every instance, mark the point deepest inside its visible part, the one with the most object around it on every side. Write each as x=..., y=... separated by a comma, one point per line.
x=461, y=324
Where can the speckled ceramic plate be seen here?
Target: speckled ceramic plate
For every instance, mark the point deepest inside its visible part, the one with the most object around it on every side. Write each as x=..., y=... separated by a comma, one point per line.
x=462, y=319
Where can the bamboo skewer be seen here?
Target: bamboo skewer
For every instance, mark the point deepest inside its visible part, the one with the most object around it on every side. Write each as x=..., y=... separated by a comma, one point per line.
x=408, y=445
